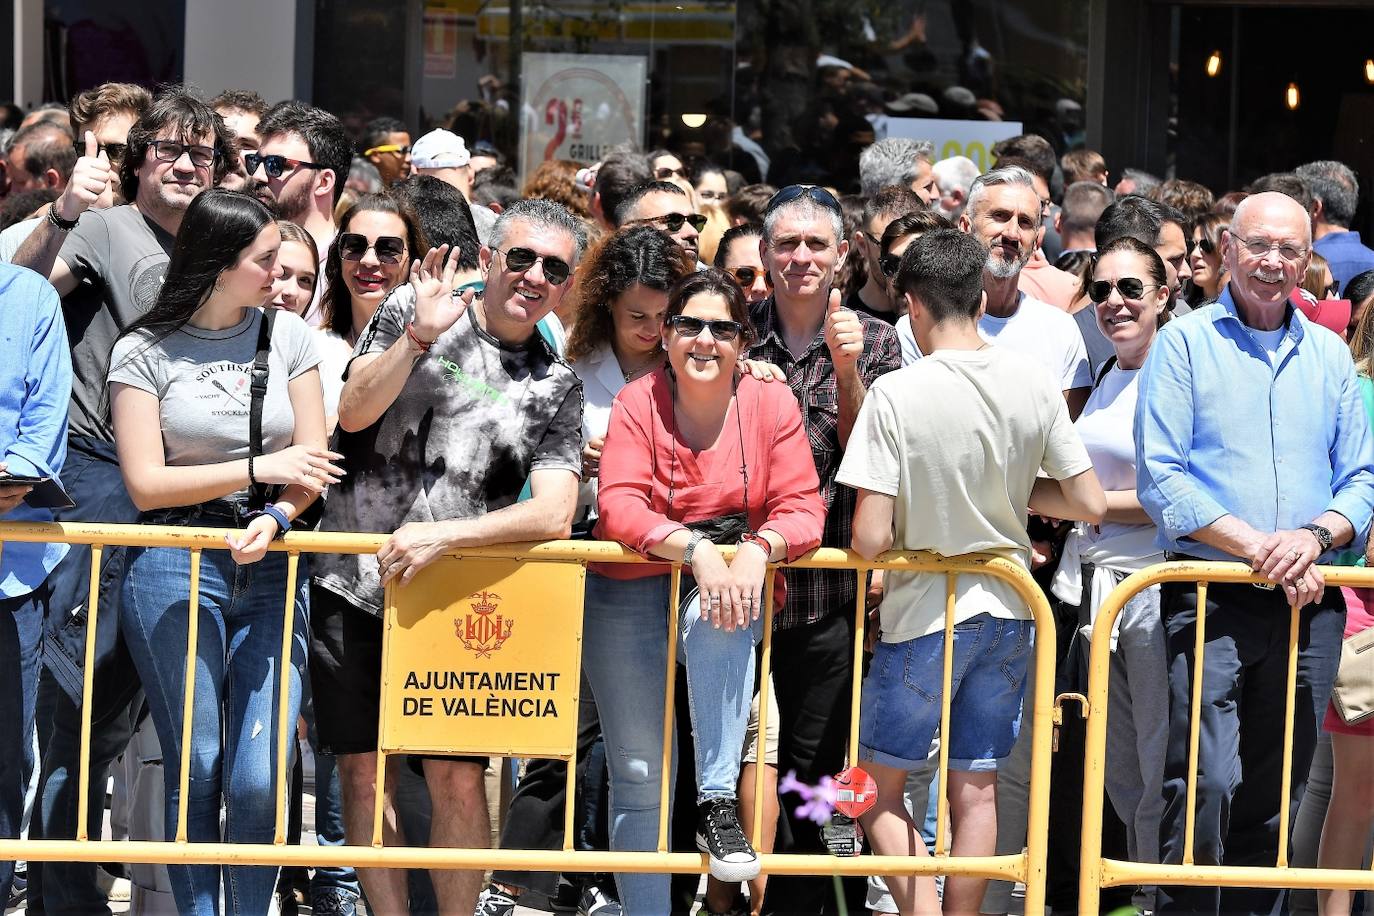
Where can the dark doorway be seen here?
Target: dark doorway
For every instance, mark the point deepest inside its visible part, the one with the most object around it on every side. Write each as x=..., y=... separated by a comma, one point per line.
x=1230, y=128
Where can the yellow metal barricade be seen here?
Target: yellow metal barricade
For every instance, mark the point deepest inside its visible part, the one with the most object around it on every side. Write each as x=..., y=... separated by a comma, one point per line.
x=1027, y=867
x=1098, y=872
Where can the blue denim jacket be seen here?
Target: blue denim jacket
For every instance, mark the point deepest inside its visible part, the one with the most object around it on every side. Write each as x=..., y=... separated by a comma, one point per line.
x=35, y=394
x=1221, y=431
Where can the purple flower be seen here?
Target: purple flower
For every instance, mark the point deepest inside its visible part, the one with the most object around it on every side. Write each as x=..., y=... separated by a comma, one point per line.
x=818, y=802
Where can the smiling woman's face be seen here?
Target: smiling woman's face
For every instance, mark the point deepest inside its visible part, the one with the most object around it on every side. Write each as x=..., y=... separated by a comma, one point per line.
x=371, y=279
x=702, y=358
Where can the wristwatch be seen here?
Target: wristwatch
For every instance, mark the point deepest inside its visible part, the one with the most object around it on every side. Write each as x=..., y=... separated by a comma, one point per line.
x=692, y=542
x=1323, y=535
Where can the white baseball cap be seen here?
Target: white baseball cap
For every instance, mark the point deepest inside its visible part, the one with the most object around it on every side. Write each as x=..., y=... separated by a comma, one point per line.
x=439, y=149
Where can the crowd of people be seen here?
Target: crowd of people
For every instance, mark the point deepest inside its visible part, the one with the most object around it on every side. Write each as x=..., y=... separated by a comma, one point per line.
x=228, y=314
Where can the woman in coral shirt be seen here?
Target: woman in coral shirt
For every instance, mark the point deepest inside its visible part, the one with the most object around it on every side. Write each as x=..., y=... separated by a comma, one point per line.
x=690, y=447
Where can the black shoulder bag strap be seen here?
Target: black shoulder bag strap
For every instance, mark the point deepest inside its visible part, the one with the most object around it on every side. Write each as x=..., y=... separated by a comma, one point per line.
x=1102, y=373
x=257, y=496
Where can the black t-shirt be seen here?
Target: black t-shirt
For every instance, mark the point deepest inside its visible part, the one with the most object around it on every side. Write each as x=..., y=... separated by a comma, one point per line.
x=856, y=303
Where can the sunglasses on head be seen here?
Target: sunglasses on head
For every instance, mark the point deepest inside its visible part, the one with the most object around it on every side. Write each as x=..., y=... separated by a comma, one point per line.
x=1100, y=291
x=721, y=329
x=353, y=246
x=275, y=166
x=673, y=221
x=556, y=270
x=795, y=191
x=746, y=276
x=888, y=264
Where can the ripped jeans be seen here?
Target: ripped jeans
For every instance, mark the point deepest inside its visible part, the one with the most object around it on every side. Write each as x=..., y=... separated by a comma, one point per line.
x=625, y=659
x=234, y=724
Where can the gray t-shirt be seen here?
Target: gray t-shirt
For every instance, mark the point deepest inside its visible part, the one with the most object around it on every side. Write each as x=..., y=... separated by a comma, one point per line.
x=119, y=257
x=483, y=220
x=475, y=417
x=201, y=380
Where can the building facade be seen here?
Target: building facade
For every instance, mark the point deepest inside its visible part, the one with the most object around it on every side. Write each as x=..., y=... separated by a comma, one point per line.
x=795, y=87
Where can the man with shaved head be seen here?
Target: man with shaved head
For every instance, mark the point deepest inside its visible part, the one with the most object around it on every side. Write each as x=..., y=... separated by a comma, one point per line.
x=1252, y=444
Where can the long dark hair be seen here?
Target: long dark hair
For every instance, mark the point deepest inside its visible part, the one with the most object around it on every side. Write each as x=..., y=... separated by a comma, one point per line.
x=216, y=229
x=335, y=303
x=218, y=226
x=636, y=254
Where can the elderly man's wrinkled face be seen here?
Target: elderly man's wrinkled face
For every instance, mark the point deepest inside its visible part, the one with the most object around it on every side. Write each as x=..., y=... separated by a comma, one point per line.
x=1267, y=249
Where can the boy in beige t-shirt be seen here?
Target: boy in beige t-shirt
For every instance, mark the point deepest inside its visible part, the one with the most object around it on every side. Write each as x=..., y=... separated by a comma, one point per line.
x=946, y=455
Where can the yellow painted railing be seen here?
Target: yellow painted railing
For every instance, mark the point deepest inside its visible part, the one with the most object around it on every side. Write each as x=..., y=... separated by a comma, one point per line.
x=1027, y=867
x=1098, y=872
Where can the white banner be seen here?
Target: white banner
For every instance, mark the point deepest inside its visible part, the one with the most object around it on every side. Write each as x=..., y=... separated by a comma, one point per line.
x=578, y=106
x=973, y=139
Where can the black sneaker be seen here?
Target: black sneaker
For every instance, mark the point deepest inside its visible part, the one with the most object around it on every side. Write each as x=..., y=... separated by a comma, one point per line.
x=720, y=835
x=495, y=902
x=598, y=900
x=19, y=889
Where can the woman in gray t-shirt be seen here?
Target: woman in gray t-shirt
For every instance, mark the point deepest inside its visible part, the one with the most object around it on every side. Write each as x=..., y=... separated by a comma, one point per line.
x=180, y=395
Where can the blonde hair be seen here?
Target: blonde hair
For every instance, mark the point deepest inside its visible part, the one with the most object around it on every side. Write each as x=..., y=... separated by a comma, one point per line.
x=717, y=224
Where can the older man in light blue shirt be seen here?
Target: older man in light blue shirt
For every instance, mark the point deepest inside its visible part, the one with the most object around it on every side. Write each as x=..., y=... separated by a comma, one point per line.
x=1252, y=444
x=35, y=390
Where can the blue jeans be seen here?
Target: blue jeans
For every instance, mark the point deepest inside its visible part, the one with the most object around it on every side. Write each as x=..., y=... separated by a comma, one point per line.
x=235, y=728
x=902, y=695
x=21, y=627
x=625, y=659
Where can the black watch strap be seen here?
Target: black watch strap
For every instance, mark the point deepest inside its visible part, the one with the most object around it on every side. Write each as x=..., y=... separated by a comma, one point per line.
x=1323, y=535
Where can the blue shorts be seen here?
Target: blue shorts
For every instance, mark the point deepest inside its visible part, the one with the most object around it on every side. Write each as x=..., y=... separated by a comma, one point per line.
x=900, y=712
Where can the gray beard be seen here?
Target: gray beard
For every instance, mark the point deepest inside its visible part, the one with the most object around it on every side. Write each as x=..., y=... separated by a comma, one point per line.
x=1005, y=270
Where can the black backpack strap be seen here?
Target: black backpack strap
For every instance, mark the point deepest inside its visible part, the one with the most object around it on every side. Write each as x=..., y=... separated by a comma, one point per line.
x=257, y=497
x=1102, y=373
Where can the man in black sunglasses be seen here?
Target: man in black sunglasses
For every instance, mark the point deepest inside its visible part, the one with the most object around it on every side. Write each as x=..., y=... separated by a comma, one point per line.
x=665, y=206
x=108, y=111
x=450, y=406
x=300, y=169
x=830, y=356
x=874, y=297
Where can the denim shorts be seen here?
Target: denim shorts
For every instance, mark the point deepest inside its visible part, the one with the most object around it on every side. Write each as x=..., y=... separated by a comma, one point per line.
x=900, y=712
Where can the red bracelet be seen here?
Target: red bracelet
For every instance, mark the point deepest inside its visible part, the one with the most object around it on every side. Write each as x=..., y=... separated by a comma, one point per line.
x=424, y=345
x=760, y=542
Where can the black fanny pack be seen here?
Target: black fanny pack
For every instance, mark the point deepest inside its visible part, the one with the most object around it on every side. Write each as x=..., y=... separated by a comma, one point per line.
x=722, y=530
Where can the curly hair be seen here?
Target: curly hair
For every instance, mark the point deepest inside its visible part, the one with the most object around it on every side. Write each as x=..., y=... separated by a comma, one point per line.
x=556, y=179
x=637, y=254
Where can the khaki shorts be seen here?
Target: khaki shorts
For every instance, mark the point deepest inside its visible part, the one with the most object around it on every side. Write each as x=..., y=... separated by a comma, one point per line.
x=770, y=739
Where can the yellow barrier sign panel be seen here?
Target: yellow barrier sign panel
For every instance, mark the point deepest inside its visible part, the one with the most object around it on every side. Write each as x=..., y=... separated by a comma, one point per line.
x=484, y=657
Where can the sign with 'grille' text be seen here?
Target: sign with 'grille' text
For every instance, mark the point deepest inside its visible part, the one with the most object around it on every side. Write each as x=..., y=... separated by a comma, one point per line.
x=482, y=656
